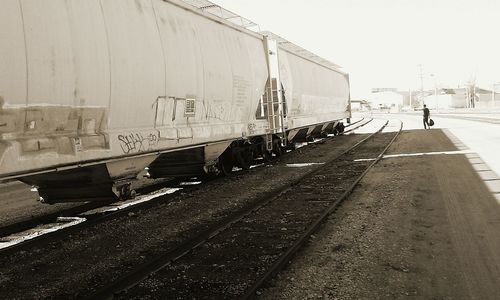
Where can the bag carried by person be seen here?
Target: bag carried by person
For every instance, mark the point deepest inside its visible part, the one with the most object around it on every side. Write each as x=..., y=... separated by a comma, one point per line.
x=431, y=122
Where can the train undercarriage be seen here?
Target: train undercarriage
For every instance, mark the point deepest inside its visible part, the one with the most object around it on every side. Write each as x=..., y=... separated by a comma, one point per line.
x=111, y=181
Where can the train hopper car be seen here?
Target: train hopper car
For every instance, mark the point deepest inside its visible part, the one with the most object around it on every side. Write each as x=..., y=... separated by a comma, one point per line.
x=93, y=92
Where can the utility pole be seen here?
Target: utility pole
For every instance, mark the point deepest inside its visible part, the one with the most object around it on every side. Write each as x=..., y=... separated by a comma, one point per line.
x=421, y=82
x=473, y=100
x=410, y=91
x=493, y=92
x=493, y=96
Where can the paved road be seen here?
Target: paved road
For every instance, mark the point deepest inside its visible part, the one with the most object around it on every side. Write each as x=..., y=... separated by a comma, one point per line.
x=454, y=207
x=482, y=138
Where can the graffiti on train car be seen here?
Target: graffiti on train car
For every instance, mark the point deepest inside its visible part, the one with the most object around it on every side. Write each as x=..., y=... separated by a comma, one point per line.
x=137, y=142
x=217, y=111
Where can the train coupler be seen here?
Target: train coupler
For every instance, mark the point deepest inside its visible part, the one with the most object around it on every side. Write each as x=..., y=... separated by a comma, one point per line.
x=123, y=191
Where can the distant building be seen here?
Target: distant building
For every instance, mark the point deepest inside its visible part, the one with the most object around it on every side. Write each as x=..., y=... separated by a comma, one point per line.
x=380, y=90
x=446, y=98
x=411, y=99
x=465, y=97
x=360, y=105
x=486, y=98
x=392, y=100
x=385, y=99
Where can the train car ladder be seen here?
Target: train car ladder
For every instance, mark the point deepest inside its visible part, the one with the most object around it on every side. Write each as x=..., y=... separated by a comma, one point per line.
x=274, y=97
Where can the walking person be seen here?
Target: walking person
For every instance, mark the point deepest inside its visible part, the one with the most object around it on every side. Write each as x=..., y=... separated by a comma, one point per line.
x=427, y=114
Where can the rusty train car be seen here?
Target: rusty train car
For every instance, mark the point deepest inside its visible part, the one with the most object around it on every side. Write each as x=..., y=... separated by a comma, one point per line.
x=93, y=92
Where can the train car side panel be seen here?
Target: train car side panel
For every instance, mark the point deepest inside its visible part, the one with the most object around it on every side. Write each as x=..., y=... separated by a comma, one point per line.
x=66, y=92
x=219, y=75
x=314, y=93
x=91, y=55
x=137, y=63
x=13, y=77
x=50, y=55
x=183, y=63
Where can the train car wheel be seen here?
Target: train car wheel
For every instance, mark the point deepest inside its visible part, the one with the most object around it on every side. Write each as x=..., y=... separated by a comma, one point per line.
x=226, y=163
x=244, y=157
x=277, y=149
x=125, y=192
x=341, y=128
x=267, y=156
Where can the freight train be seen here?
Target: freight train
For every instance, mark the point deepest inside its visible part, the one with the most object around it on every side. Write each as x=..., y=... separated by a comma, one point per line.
x=93, y=92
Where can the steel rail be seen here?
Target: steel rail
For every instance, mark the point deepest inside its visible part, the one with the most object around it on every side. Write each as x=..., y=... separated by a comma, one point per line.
x=352, y=123
x=140, y=273
x=359, y=126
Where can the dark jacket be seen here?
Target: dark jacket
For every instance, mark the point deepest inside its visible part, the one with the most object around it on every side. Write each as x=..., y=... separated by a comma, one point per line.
x=426, y=112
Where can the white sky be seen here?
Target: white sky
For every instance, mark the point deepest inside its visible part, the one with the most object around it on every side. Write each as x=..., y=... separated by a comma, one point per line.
x=381, y=42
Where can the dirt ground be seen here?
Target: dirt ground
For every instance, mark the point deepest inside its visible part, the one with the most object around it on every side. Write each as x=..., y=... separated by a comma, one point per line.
x=419, y=227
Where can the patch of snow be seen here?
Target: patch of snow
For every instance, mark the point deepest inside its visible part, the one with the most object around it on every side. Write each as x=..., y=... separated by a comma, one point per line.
x=302, y=165
x=429, y=153
x=190, y=183
x=124, y=204
x=62, y=222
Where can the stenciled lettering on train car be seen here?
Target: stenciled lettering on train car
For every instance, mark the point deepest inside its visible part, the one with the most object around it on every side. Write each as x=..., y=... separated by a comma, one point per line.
x=137, y=142
x=241, y=88
x=251, y=128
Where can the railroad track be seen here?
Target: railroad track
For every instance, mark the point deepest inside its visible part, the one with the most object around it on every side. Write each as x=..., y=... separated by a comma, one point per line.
x=355, y=125
x=77, y=211
x=234, y=258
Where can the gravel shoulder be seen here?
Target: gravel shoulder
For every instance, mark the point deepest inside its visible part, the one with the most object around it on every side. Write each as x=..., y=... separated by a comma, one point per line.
x=421, y=227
